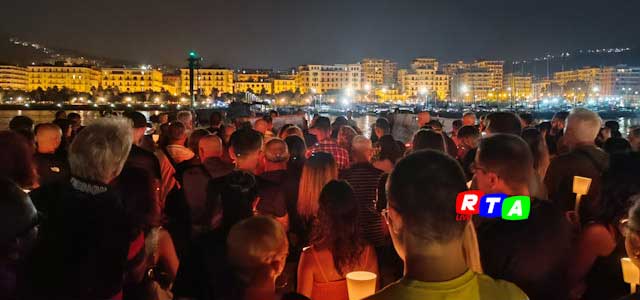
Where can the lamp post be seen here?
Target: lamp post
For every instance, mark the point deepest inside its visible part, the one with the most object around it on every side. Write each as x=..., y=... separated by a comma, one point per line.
x=193, y=64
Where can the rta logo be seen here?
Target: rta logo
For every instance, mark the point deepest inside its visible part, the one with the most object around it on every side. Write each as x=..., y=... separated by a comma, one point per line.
x=475, y=202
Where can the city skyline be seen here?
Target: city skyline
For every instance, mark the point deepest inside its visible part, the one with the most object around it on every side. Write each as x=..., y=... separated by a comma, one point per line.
x=280, y=35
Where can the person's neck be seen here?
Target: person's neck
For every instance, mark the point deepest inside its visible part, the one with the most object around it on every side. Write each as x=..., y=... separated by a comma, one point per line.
x=260, y=290
x=582, y=144
x=244, y=166
x=519, y=191
x=177, y=143
x=442, y=262
x=46, y=150
x=211, y=157
x=272, y=167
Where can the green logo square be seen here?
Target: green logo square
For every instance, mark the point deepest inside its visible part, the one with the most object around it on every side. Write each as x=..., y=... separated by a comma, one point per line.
x=516, y=208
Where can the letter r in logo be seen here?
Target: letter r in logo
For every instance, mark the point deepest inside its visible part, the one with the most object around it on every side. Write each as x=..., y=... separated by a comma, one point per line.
x=468, y=202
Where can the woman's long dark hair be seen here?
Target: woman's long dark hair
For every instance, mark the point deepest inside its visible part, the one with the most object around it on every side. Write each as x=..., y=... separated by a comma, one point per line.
x=297, y=149
x=337, y=225
x=16, y=160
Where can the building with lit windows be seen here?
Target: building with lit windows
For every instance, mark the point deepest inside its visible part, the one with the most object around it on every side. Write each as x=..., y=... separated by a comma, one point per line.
x=621, y=80
x=80, y=79
x=454, y=68
x=590, y=76
x=284, y=83
x=495, y=68
x=323, y=78
x=542, y=88
x=262, y=86
x=252, y=75
x=131, y=80
x=424, y=79
x=207, y=80
x=13, y=78
x=518, y=86
x=378, y=72
x=472, y=85
x=171, y=83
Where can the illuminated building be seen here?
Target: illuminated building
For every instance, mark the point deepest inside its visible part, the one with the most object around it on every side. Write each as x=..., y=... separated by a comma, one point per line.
x=80, y=79
x=131, y=80
x=471, y=85
x=424, y=79
x=284, y=83
x=518, y=86
x=454, y=68
x=322, y=78
x=262, y=86
x=207, y=80
x=621, y=80
x=252, y=75
x=590, y=76
x=13, y=78
x=495, y=68
x=377, y=72
x=171, y=83
x=542, y=88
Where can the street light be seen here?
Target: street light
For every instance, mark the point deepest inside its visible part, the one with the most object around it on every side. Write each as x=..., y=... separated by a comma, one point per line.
x=424, y=92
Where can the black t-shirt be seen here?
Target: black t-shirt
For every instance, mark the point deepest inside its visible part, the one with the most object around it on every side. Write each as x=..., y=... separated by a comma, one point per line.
x=272, y=194
x=52, y=168
x=143, y=159
x=532, y=253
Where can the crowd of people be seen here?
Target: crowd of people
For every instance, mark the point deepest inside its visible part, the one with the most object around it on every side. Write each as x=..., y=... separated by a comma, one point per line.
x=186, y=207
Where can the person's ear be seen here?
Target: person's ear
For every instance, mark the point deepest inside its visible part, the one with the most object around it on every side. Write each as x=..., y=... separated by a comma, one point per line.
x=232, y=153
x=395, y=222
x=492, y=179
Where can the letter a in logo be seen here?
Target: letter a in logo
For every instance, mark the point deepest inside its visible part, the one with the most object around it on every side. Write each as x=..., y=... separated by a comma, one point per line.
x=516, y=208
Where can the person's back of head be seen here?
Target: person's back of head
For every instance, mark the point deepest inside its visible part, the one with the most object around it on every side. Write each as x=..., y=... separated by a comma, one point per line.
x=261, y=126
x=292, y=130
x=65, y=126
x=297, y=149
x=361, y=149
x=422, y=191
x=257, y=250
x=534, y=138
x=319, y=169
x=177, y=133
x=614, y=126
x=48, y=137
x=434, y=125
x=210, y=146
x=16, y=160
x=21, y=123
x=428, y=139
x=215, y=119
x=61, y=114
x=616, y=145
x=503, y=122
x=634, y=138
x=244, y=148
x=469, y=135
x=99, y=151
x=504, y=164
x=75, y=118
x=321, y=128
x=238, y=193
x=582, y=127
x=456, y=125
x=276, y=155
x=469, y=118
x=338, y=227
x=186, y=118
x=18, y=221
x=382, y=127
x=619, y=184
x=193, y=141
x=526, y=119
x=389, y=149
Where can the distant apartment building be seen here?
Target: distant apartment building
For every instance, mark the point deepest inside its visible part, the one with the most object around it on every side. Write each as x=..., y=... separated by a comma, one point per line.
x=518, y=86
x=424, y=79
x=171, y=83
x=495, y=67
x=590, y=76
x=323, y=78
x=207, y=80
x=424, y=63
x=80, y=79
x=472, y=85
x=131, y=80
x=261, y=86
x=378, y=72
x=284, y=83
x=13, y=78
x=620, y=80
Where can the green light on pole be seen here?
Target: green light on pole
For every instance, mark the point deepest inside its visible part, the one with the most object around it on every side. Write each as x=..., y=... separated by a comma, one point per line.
x=192, y=54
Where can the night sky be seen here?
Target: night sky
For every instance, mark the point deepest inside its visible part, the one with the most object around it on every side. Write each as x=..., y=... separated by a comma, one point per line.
x=280, y=34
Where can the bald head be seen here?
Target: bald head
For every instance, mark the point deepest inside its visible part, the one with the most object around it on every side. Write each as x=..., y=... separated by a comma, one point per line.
x=582, y=127
x=276, y=155
x=261, y=126
x=468, y=119
x=48, y=137
x=210, y=146
x=424, y=117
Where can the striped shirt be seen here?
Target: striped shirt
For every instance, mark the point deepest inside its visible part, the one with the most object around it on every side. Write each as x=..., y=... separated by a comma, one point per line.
x=364, y=179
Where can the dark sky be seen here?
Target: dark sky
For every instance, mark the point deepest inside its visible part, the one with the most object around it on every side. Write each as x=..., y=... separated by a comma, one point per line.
x=263, y=33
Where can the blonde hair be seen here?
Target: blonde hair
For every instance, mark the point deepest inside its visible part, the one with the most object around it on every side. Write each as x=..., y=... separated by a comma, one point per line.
x=254, y=243
x=100, y=150
x=318, y=170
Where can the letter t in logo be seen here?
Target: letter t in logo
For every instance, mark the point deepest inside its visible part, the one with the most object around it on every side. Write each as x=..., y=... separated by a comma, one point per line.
x=491, y=205
x=467, y=203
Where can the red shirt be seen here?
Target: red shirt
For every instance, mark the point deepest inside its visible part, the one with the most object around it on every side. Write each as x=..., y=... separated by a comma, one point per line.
x=340, y=154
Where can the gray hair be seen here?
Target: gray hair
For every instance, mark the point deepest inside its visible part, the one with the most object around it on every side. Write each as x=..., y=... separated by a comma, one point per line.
x=99, y=151
x=184, y=116
x=583, y=125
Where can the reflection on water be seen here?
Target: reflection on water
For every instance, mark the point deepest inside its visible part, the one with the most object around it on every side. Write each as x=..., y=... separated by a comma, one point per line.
x=364, y=122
